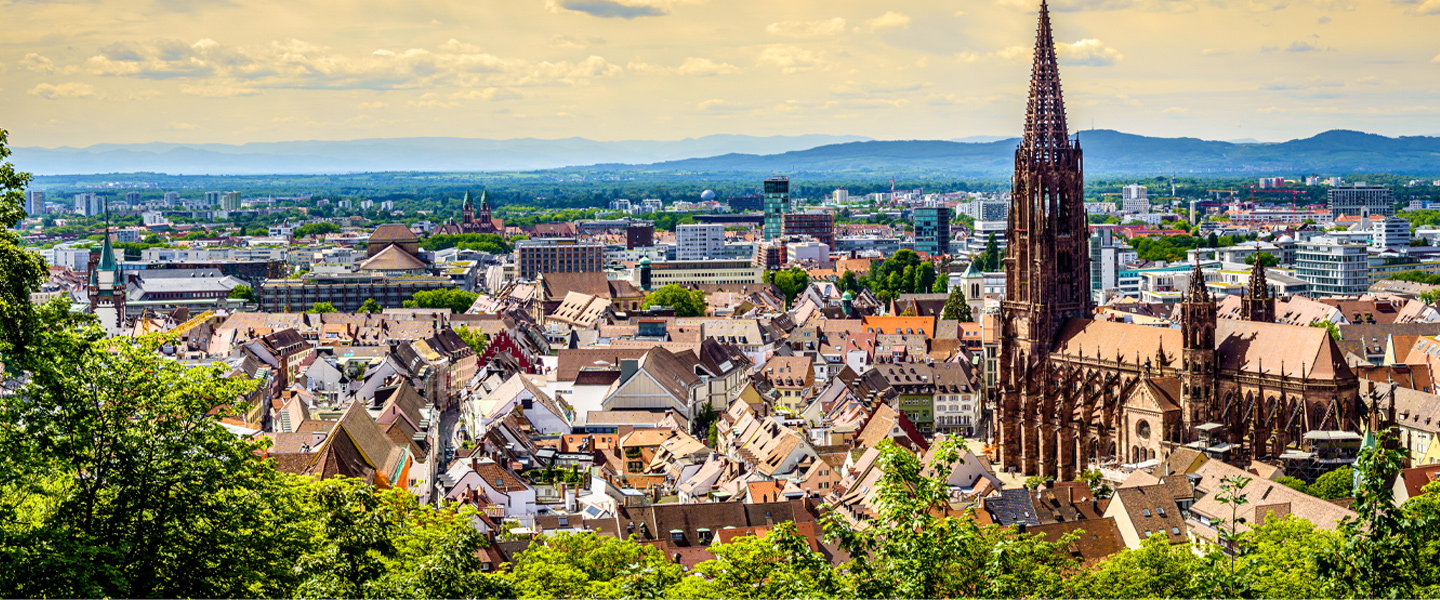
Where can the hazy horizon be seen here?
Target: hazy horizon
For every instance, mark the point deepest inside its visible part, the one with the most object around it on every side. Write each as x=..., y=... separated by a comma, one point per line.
x=83, y=73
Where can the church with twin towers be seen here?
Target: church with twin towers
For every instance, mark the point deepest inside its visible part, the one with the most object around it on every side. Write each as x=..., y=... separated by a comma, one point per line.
x=1073, y=392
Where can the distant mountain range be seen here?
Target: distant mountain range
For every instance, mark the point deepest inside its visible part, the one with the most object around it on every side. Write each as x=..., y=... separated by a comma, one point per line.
x=392, y=154
x=1106, y=152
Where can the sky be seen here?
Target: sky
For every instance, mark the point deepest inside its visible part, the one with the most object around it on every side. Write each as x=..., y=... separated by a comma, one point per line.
x=82, y=72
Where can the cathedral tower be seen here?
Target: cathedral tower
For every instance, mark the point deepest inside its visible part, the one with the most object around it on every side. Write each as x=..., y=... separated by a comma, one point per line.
x=467, y=210
x=484, y=215
x=1047, y=270
x=1258, y=304
x=1197, y=322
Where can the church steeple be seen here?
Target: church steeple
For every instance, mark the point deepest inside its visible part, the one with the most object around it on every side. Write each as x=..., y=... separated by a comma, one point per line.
x=1197, y=323
x=107, y=286
x=1047, y=258
x=1258, y=304
x=467, y=210
x=484, y=215
x=1045, y=127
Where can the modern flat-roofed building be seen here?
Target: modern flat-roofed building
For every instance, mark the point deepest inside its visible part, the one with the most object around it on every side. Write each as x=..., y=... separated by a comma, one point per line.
x=818, y=225
x=1358, y=198
x=932, y=230
x=346, y=291
x=1332, y=268
x=558, y=255
x=691, y=272
x=777, y=203
x=699, y=242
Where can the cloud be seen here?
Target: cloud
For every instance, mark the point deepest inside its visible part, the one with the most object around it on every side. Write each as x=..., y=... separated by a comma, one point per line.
x=806, y=29
x=1089, y=52
x=717, y=105
x=1436, y=59
x=486, y=94
x=1421, y=7
x=572, y=42
x=1214, y=52
x=791, y=59
x=608, y=9
x=300, y=64
x=889, y=20
x=65, y=90
x=176, y=126
x=1299, y=47
x=691, y=66
x=1104, y=5
x=143, y=94
x=218, y=91
x=35, y=62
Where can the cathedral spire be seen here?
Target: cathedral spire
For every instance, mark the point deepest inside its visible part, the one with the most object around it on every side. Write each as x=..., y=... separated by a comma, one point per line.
x=467, y=209
x=1258, y=304
x=1045, y=127
x=1199, y=292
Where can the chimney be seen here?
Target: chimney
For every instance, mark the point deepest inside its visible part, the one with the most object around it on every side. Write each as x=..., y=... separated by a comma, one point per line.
x=628, y=366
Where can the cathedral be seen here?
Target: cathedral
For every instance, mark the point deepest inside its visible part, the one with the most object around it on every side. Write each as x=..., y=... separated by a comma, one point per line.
x=1073, y=392
x=473, y=221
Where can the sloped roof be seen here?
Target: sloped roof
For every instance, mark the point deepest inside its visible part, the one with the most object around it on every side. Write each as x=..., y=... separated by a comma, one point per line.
x=558, y=285
x=392, y=258
x=393, y=232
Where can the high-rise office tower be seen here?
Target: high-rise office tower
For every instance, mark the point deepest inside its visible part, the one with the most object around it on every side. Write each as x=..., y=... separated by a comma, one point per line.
x=932, y=230
x=777, y=203
x=34, y=202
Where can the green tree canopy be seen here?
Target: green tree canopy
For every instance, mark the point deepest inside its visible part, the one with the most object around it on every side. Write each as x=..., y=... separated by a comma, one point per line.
x=316, y=229
x=687, y=303
x=956, y=308
x=242, y=292
x=322, y=308
x=457, y=300
x=370, y=306
x=479, y=242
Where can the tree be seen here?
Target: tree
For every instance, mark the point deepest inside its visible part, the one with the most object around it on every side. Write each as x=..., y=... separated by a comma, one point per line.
x=242, y=292
x=1280, y=557
x=1430, y=296
x=779, y=564
x=687, y=303
x=1298, y=485
x=316, y=229
x=321, y=308
x=474, y=338
x=1328, y=326
x=457, y=300
x=1266, y=259
x=1156, y=570
x=991, y=262
x=791, y=282
x=956, y=308
x=1335, y=484
x=849, y=282
x=586, y=565
x=1378, y=548
x=370, y=306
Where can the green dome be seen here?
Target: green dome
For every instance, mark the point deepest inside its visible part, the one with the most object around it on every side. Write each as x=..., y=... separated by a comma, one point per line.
x=644, y=261
x=847, y=296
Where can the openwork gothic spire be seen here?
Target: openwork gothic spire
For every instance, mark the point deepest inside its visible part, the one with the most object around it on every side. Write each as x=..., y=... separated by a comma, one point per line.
x=1045, y=129
x=1199, y=292
x=1259, y=289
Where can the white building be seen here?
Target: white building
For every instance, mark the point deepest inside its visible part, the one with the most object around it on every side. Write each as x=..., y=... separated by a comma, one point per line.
x=89, y=204
x=34, y=202
x=699, y=241
x=1332, y=268
x=1134, y=199
x=1389, y=232
x=814, y=251
x=840, y=195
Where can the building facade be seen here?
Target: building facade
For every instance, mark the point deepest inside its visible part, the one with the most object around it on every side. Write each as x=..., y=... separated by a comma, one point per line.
x=932, y=230
x=1361, y=199
x=777, y=203
x=346, y=291
x=558, y=255
x=818, y=225
x=699, y=242
x=1331, y=268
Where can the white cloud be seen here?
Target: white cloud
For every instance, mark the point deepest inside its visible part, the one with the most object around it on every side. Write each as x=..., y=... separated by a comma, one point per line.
x=691, y=66
x=1214, y=52
x=1089, y=52
x=574, y=42
x=64, y=90
x=486, y=94
x=791, y=59
x=177, y=126
x=889, y=20
x=616, y=9
x=35, y=62
x=299, y=64
x=1421, y=7
x=1436, y=59
x=807, y=29
x=715, y=104
x=217, y=91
